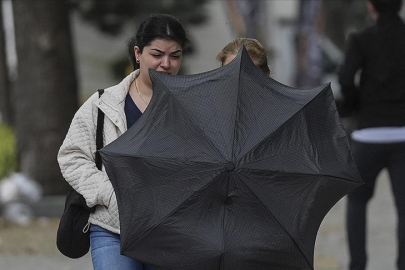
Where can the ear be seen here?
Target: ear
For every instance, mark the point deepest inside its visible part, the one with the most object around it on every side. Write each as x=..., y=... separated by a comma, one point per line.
x=137, y=52
x=372, y=11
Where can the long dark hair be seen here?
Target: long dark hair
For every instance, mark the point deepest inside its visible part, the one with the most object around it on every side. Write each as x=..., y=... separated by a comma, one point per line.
x=161, y=26
x=383, y=6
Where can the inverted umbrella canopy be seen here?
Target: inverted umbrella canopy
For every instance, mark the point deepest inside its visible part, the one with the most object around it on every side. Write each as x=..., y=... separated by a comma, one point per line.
x=229, y=169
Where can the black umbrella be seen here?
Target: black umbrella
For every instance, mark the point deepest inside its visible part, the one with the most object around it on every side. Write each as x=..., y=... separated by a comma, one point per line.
x=229, y=169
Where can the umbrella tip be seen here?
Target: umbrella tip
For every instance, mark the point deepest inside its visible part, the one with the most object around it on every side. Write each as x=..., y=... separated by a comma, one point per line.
x=229, y=166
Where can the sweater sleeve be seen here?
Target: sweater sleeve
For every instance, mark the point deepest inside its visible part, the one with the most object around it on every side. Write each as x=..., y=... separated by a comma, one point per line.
x=76, y=159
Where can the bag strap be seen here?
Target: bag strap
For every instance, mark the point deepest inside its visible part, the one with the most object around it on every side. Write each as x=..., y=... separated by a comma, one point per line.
x=99, y=133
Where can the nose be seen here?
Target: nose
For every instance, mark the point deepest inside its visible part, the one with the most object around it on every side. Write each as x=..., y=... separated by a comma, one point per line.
x=165, y=64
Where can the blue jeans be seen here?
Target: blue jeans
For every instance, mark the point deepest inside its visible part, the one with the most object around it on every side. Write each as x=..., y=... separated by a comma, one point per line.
x=106, y=252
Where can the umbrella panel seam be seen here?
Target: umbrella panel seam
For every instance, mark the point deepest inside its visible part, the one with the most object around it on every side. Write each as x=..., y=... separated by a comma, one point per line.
x=298, y=246
x=173, y=211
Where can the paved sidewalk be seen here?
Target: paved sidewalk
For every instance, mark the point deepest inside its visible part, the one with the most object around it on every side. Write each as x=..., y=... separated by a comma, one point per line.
x=330, y=249
x=37, y=262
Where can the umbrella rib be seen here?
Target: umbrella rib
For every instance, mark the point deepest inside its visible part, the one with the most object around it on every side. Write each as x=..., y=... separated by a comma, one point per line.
x=151, y=157
x=302, y=174
x=188, y=117
x=237, y=114
x=292, y=238
x=290, y=119
x=277, y=93
x=173, y=211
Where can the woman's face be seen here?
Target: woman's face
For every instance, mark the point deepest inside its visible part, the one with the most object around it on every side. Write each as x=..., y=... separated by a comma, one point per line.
x=228, y=59
x=161, y=55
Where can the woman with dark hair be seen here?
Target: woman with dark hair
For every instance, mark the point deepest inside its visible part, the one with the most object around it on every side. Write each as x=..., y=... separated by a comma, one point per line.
x=159, y=44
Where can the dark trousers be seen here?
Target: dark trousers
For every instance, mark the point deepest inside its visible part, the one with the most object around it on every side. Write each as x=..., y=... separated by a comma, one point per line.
x=370, y=160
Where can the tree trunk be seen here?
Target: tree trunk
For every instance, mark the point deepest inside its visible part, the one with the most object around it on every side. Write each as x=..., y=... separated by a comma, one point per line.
x=45, y=92
x=309, y=55
x=336, y=14
x=5, y=106
x=236, y=18
x=252, y=12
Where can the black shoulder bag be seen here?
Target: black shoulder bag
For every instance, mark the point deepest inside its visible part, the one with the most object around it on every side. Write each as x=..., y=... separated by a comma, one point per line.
x=73, y=236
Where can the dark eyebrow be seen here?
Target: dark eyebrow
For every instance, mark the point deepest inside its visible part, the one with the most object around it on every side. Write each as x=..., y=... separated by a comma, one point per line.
x=159, y=51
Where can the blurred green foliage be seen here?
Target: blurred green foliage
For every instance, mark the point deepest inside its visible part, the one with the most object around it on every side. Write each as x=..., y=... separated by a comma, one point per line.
x=8, y=151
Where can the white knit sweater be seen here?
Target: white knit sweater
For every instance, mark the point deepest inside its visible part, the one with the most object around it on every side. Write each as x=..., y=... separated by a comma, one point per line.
x=76, y=156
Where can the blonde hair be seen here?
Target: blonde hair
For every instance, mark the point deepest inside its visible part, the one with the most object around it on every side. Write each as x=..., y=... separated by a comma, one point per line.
x=256, y=50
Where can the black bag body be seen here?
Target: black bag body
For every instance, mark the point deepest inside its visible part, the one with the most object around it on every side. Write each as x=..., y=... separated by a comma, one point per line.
x=73, y=235
x=73, y=239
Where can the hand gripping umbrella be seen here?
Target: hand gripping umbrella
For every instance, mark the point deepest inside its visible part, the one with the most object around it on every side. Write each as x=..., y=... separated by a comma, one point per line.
x=229, y=169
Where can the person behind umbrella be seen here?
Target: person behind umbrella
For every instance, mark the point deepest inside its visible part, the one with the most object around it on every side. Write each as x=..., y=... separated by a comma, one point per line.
x=256, y=50
x=379, y=105
x=159, y=44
